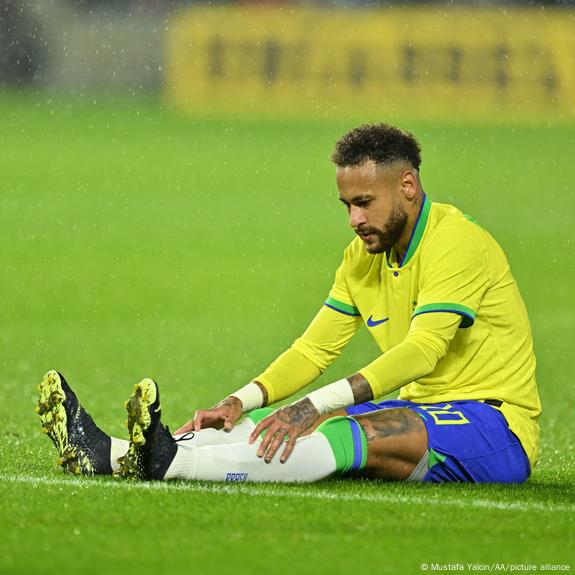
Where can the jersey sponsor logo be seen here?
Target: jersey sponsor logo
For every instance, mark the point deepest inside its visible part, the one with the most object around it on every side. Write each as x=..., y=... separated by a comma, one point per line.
x=236, y=477
x=374, y=322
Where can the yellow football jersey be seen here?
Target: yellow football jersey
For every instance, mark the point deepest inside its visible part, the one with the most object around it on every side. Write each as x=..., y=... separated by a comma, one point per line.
x=454, y=266
x=451, y=265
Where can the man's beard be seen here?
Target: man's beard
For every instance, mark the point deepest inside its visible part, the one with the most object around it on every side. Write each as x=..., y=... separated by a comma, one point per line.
x=389, y=236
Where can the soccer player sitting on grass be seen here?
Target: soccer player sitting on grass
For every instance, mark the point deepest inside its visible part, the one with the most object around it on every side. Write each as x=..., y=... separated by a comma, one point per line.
x=435, y=291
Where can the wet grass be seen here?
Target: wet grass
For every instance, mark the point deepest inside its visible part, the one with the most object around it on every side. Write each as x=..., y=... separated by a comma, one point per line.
x=140, y=243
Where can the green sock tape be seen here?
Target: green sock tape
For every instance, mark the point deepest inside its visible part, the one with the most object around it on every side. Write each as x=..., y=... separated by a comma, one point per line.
x=338, y=432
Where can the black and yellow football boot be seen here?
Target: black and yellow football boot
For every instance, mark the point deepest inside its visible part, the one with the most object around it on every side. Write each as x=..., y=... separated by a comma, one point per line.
x=152, y=447
x=84, y=449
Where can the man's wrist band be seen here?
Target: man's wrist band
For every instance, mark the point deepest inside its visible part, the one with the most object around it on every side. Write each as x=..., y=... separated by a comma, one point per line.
x=333, y=396
x=250, y=395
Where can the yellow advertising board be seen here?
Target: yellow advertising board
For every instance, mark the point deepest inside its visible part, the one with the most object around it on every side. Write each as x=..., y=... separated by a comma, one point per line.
x=427, y=62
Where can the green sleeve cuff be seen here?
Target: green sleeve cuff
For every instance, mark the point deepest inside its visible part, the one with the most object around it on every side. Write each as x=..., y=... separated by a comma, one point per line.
x=466, y=313
x=342, y=307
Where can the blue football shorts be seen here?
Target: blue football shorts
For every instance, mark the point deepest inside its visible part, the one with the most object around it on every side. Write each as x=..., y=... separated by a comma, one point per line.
x=468, y=441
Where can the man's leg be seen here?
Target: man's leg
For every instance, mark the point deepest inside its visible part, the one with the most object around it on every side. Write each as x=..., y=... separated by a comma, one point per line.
x=396, y=440
x=84, y=449
x=339, y=445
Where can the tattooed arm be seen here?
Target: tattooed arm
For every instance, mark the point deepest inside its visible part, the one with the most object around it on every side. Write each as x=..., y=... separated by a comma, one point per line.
x=294, y=420
x=341, y=394
x=360, y=388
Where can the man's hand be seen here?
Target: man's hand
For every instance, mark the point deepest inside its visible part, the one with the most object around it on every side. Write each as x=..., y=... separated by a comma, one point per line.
x=224, y=414
x=291, y=421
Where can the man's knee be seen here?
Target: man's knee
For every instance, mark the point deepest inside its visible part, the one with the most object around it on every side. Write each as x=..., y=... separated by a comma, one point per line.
x=396, y=442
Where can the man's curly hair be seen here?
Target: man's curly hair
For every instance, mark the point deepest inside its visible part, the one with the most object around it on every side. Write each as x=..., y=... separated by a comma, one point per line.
x=381, y=143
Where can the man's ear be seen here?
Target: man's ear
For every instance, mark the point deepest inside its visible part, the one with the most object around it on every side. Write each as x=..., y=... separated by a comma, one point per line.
x=409, y=184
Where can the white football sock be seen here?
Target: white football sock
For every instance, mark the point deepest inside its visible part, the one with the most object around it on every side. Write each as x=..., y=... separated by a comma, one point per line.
x=311, y=460
x=208, y=436
x=238, y=433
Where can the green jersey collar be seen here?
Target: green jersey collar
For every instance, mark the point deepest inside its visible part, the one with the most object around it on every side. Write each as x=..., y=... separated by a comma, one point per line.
x=416, y=233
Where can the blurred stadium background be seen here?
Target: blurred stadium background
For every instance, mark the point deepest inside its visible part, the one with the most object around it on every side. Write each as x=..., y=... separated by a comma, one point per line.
x=168, y=209
x=476, y=58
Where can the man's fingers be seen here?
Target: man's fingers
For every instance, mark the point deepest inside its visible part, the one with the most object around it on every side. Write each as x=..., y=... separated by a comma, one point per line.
x=185, y=428
x=199, y=418
x=228, y=422
x=274, y=446
x=265, y=442
x=263, y=424
x=254, y=434
x=288, y=448
x=271, y=429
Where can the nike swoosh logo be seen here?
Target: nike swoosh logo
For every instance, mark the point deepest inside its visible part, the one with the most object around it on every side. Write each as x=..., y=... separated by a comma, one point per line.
x=372, y=323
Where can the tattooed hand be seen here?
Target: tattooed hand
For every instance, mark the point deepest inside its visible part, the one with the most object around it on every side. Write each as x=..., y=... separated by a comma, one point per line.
x=291, y=421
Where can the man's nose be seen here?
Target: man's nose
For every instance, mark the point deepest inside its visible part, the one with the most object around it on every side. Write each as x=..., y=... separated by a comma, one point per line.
x=356, y=217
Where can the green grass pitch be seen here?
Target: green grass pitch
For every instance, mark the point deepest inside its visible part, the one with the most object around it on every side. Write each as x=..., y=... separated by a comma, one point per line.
x=136, y=242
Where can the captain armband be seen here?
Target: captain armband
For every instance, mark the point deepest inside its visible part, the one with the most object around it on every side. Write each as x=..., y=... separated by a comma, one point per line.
x=331, y=397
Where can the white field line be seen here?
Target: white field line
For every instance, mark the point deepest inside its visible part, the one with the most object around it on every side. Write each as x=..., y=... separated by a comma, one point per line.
x=287, y=491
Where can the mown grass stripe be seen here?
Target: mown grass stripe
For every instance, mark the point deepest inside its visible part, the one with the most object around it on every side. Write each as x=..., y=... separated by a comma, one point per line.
x=286, y=491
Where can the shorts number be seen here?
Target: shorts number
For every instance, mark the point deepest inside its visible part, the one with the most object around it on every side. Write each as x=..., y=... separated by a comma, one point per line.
x=445, y=414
